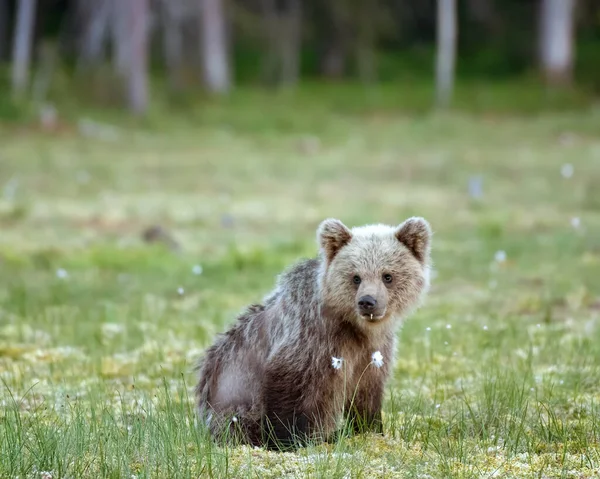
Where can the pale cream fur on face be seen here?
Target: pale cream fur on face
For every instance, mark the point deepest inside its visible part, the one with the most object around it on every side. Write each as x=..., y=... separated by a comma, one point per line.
x=370, y=252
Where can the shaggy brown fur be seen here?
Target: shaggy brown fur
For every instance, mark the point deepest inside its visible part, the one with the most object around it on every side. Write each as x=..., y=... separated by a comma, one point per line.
x=270, y=380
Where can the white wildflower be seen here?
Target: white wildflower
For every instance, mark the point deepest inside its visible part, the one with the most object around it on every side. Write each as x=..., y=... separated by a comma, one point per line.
x=180, y=291
x=448, y=326
x=575, y=222
x=500, y=256
x=197, y=269
x=61, y=273
x=377, y=359
x=427, y=328
x=234, y=419
x=336, y=362
x=111, y=330
x=567, y=170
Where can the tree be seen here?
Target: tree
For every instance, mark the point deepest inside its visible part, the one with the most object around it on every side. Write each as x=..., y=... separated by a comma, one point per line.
x=173, y=12
x=137, y=75
x=4, y=22
x=22, y=44
x=95, y=18
x=446, y=51
x=556, y=33
x=283, y=35
x=215, y=59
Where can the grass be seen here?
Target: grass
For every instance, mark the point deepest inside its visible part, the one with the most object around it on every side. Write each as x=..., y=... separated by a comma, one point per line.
x=498, y=373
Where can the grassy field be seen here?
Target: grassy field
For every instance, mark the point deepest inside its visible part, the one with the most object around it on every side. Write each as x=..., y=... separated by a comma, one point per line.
x=498, y=373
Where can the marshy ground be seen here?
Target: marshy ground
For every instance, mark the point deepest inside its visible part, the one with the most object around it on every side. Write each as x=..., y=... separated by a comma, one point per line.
x=498, y=373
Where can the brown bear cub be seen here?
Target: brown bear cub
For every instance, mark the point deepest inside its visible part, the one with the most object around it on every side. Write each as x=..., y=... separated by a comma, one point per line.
x=318, y=352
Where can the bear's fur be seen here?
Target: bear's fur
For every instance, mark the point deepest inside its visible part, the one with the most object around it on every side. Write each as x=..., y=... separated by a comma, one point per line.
x=275, y=379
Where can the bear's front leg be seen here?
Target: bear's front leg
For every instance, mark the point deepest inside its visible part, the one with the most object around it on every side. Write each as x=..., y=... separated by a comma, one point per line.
x=285, y=425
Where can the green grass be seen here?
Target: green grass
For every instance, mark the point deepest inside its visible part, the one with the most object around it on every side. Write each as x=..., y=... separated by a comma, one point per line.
x=498, y=374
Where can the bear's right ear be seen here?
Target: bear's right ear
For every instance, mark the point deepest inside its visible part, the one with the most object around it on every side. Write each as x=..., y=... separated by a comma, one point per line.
x=332, y=236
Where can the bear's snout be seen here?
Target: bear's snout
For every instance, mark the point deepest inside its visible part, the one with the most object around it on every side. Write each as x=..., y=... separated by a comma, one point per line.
x=367, y=304
x=368, y=307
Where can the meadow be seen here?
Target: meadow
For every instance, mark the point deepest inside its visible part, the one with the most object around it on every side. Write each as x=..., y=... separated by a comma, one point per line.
x=498, y=373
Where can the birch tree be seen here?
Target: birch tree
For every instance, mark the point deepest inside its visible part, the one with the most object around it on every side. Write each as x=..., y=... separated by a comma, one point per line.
x=137, y=74
x=556, y=34
x=215, y=59
x=22, y=44
x=95, y=18
x=446, y=51
x=172, y=23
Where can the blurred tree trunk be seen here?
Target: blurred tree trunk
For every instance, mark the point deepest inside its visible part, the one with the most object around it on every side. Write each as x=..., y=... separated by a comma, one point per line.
x=365, y=41
x=446, y=51
x=215, y=58
x=22, y=44
x=335, y=19
x=95, y=18
x=137, y=78
x=121, y=14
x=283, y=27
x=556, y=40
x=4, y=23
x=173, y=16
x=334, y=60
x=291, y=42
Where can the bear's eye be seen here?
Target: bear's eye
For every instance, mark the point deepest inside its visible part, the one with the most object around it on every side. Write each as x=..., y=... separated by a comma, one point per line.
x=356, y=279
x=387, y=278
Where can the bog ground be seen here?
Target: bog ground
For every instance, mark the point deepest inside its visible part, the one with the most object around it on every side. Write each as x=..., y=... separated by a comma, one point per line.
x=498, y=373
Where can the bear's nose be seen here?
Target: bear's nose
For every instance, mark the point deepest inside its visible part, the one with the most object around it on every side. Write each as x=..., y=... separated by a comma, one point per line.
x=367, y=303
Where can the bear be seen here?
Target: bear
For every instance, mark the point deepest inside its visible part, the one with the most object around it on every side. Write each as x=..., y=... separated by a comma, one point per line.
x=311, y=362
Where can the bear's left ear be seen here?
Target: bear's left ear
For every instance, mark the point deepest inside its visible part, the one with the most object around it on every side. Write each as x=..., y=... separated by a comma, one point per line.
x=332, y=236
x=415, y=234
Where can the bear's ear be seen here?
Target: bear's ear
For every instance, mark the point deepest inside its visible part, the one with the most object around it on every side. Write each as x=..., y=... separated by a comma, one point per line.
x=415, y=234
x=332, y=236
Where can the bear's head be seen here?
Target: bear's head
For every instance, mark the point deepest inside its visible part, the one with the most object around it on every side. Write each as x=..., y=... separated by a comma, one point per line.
x=372, y=273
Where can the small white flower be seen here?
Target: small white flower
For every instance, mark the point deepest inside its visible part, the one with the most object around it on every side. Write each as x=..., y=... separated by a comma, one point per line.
x=234, y=419
x=448, y=326
x=180, y=290
x=437, y=406
x=197, y=269
x=485, y=328
x=500, y=256
x=62, y=273
x=575, y=222
x=427, y=328
x=377, y=359
x=567, y=170
x=336, y=362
